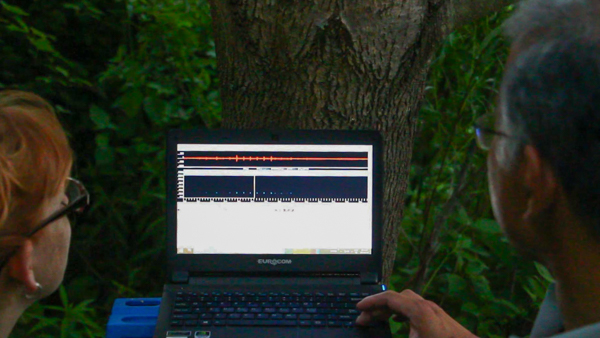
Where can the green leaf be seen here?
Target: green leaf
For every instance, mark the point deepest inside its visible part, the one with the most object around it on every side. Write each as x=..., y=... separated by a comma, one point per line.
x=104, y=153
x=43, y=45
x=481, y=286
x=131, y=102
x=543, y=271
x=14, y=9
x=487, y=226
x=100, y=118
x=155, y=108
x=456, y=285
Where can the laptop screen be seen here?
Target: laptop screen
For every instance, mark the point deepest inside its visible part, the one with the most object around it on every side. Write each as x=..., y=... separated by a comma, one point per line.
x=274, y=199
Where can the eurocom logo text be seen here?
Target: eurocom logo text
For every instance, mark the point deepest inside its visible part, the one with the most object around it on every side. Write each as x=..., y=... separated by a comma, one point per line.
x=274, y=261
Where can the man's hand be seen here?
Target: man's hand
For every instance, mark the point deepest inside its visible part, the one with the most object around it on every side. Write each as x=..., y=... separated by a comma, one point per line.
x=427, y=319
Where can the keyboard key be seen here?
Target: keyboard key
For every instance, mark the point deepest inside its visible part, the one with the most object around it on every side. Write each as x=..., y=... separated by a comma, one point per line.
x=204, y=322
x=262, y=316
x=333, y=323
x=221, y=316
x=182, y=310
x=234, y=316
x=177, y=323
x=290, y=316
x=190, y=323
x=248, y=316
x=304, y=317
x=262, y=322
x=185, y=316
x=318, y=323
x=304, y=323
x=219, y=322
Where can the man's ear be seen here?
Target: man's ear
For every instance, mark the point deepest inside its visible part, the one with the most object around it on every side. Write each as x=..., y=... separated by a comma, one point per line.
x=540, y=181
x=20, y=266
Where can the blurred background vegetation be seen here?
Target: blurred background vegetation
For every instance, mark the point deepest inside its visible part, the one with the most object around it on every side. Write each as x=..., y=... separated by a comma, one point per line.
x=122, y=72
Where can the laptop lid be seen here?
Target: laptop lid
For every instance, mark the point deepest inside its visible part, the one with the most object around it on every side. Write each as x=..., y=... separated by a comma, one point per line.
x=258, y=201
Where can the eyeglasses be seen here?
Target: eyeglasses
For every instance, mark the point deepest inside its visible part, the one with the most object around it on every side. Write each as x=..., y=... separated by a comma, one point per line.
x=79, y=200
x=484, y=128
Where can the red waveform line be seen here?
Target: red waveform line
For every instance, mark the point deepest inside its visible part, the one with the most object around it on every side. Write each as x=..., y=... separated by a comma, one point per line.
x=238, y=158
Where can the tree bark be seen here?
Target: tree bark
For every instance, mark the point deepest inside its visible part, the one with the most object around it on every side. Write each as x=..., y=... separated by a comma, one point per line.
x=334, y=64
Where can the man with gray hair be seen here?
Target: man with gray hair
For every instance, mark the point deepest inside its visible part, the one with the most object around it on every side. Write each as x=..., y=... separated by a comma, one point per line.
x=543, y=170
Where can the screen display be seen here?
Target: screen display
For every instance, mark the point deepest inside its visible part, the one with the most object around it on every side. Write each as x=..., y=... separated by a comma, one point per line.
x=274, y=199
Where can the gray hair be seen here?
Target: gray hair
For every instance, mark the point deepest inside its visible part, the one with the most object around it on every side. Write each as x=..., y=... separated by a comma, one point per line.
x=550, y=94
x=554, y=19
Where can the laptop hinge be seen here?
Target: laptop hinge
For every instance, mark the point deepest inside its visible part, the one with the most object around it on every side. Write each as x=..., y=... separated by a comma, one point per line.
x=180, y=277
x=369, y=278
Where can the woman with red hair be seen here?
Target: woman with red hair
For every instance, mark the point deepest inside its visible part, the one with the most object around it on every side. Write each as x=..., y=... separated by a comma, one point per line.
x=36, y=193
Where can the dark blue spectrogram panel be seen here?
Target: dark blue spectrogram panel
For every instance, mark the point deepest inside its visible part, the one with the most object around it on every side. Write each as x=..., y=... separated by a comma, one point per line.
x=219, y=186
x=311, y=187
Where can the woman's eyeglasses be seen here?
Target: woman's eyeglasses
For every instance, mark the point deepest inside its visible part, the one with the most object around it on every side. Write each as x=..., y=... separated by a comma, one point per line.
x=79, y=200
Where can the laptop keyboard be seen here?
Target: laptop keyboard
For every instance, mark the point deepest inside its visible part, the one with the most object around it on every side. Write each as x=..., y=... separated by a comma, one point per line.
x=305, y=309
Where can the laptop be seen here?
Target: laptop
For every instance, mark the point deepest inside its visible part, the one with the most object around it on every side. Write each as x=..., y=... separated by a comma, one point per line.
x=271, y=233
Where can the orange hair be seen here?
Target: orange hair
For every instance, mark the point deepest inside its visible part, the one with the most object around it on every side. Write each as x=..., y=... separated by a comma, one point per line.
x=35, y=160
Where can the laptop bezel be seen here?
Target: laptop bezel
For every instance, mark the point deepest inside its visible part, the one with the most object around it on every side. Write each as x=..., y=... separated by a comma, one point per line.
x=302, y=264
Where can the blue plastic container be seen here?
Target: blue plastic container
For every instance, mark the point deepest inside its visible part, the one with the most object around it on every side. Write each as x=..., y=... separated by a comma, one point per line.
x=133, y=318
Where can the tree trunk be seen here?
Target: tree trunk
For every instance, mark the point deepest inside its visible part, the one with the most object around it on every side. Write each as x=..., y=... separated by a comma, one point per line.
x=333, y=65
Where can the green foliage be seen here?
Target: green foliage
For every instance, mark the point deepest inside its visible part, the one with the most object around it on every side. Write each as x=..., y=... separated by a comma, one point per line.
x=140, y=68
x=475, y=275
x=65, y=320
